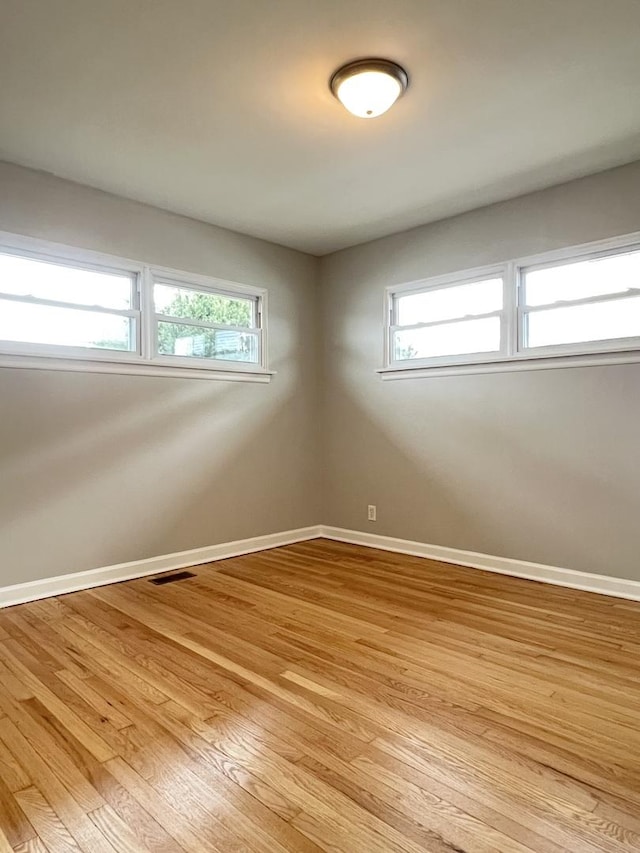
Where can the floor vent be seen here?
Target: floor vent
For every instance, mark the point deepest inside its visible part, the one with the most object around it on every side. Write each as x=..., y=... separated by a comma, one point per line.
x=177, y=576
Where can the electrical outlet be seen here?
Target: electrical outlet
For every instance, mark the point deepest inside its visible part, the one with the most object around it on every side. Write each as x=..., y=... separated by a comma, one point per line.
x=371, y=512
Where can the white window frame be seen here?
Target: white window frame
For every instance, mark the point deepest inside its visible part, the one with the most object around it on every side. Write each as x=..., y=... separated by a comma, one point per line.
x=439, y=283
x=513, y=354
x=145, y=359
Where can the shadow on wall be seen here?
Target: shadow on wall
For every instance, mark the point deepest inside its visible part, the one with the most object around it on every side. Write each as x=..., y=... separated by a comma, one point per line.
x=121, y=468
x=510, y=465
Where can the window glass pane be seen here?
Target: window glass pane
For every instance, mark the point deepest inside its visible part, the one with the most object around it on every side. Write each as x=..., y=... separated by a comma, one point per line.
x=196, y=342
x=197, y=305
x=43, y=324
x=592, y=322
x=447, y=303
x=27, y=277
x=468, y=336
x=594, y=277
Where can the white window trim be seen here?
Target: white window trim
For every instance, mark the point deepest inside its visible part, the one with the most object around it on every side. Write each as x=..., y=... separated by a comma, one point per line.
x=511, y=357
x=145, y=360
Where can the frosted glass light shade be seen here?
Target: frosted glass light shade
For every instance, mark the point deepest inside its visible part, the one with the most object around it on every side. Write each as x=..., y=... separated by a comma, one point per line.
x=369, y=87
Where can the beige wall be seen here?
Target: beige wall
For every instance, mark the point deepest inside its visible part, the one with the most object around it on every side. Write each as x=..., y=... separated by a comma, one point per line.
x=100, y=469
x=537, y=465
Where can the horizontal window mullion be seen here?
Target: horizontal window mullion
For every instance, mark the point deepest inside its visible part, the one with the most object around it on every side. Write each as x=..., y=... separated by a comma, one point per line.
x=464, y=319
x=42, y=350
x=203, y=324
x=440, y=360
x=72, y=306
x=586, y=300
x=596, y=347
x=196, y=363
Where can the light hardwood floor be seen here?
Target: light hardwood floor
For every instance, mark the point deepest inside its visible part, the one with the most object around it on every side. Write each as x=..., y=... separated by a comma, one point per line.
x=321, y=697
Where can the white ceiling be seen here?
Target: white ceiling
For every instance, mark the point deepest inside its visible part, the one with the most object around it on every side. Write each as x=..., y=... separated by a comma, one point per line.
x=221, y=110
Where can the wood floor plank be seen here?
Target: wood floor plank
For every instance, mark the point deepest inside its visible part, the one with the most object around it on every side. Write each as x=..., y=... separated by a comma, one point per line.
x=117, y=833
x=180, y=824
x=34, y=845
x=93, y=698
x=11, y=773
x=5, y=847
x=147, y=831
x=321, y=697
x=13, y=820
x=67, y=716
x=50, y=828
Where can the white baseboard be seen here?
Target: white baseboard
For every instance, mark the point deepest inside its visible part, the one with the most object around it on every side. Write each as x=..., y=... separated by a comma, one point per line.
x=603, y=584
x=33, y=590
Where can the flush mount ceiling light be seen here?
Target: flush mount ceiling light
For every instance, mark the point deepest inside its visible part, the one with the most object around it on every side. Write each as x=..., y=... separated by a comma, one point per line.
x=368, y=87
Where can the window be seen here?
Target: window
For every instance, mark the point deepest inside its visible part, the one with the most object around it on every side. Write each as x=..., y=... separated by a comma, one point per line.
x=578, y=302
x=197, y=323
x=452, y=321
x=44, y=302
x=582, y=302
x=96, y=311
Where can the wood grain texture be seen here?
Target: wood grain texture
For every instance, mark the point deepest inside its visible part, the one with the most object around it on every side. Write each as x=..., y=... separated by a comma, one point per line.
x=321, y=697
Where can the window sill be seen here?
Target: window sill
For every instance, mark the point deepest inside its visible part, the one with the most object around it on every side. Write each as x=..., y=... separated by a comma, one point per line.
x=511, y=365
x=132, y=368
